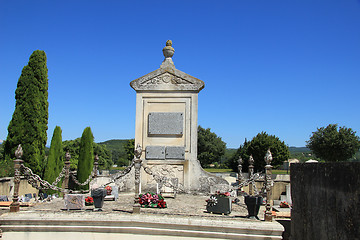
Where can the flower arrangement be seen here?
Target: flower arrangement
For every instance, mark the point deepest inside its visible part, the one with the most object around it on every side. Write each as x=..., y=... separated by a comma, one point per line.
x=89, y=201
x=222, y=194
x=108, y=190
x=152, y=200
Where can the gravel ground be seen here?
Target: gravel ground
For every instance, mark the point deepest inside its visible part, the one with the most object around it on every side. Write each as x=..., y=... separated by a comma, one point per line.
x=182, y=205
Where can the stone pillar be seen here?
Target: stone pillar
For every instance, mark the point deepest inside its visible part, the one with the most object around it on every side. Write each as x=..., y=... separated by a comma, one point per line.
x=96, y=165
x=15, y=205
x=268, y=159
x=251, y=174
x=137, y=166
x=240, y=177
x=67, y=172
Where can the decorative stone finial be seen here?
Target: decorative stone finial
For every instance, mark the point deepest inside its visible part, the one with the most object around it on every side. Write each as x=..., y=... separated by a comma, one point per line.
x=67, y=156
x=251, y=160
x=168, y=51
x=19, y=152
x=268, y=157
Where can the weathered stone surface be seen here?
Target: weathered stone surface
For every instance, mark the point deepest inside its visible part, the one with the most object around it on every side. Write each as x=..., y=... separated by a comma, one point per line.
x=326, y=200
x=167, y=79
x=174, y=152
x=167, y=91
x=155, y=152
x=165, y=123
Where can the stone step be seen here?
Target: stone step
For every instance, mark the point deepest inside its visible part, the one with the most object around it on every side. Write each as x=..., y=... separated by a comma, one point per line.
x=187, y=227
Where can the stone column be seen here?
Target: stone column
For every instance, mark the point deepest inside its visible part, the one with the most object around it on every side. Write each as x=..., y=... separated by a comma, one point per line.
x=137, y=165
x=240, y=177
x=96, y=165
x=67, y=172
x=268, y=183
x=15, y=205
x=251, y=174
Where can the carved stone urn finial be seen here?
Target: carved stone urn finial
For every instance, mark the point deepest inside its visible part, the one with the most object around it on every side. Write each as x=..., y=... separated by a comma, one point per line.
x=168, y=51
x=19, y=152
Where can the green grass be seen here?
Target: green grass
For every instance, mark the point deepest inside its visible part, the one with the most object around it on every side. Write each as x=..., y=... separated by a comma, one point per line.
x=218, y=170
x=277, y=171
x=118, y=168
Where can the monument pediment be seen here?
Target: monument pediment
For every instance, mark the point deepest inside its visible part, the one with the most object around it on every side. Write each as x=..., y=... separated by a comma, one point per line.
x=167, y=79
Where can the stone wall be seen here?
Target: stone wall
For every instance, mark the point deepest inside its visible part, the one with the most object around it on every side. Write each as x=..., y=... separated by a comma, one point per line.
x=7, y=187
x=326, y=201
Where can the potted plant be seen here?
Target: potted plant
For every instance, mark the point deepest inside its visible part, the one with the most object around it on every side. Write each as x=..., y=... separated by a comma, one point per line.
x=219, y=203
x=152, y=200
x=89, y=201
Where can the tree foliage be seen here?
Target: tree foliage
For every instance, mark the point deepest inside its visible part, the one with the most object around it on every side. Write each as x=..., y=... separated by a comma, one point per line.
x=55, y=160
x=210, y=147
x=30, y=118
x=257, y=147
x=118, y=153
x=86, y=156
x=129, y=149
x=334, y=144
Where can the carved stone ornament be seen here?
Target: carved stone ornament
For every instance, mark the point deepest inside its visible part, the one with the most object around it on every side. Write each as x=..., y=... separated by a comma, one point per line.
x=19, y=152
x=167, y=77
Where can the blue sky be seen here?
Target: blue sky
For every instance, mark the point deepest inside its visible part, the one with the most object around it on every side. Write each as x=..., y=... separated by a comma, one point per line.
x=284, y=67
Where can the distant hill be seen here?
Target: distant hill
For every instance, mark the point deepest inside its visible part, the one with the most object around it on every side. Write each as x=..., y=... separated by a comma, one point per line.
x=299, y=150
x=115, y=144
x=117, y=148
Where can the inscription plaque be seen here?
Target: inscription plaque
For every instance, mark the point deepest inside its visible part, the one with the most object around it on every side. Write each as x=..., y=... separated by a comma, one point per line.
x=155, y=152
x=173, y=152
x=165, y=123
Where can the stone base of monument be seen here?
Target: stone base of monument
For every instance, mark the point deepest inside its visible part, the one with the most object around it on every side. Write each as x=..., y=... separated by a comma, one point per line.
x=37, y=225
x=109, y=198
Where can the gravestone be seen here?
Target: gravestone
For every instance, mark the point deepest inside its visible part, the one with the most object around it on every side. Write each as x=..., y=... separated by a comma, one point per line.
x=166, y=126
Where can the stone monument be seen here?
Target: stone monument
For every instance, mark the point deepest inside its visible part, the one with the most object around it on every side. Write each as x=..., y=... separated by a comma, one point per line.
x=166, y=126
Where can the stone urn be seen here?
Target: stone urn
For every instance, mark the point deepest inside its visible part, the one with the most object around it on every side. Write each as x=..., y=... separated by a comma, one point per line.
x=253, y=204
x=98, y=195
x=168, y=51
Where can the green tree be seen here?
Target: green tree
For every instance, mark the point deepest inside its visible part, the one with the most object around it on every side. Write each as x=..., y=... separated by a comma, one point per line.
x=73, y=146
x=30, y=118
x=129, y=149
x=210, y=147
x=86, y=157
x=55, y=161
x=105, y=159
x=334, y=144
x=257, y=147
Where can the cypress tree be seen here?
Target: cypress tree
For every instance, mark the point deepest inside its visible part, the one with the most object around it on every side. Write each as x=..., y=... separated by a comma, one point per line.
x=86, y=156
x=30, y=118
x=55, y=161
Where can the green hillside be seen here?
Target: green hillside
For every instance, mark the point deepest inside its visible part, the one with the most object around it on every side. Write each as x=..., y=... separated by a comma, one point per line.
x=117, y=148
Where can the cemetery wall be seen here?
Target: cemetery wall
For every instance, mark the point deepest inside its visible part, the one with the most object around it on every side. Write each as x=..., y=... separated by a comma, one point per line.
x=326, y=201
x=6, y=187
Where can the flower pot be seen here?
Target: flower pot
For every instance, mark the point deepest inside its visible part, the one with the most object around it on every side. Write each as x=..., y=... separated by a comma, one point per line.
x=98, y=196
x=253, y=205
x=219, y=204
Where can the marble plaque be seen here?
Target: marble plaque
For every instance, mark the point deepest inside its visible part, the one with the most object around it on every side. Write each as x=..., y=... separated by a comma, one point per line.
x=74, y=201
x=155, y=152
x=173, y=152
x=165, y=123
